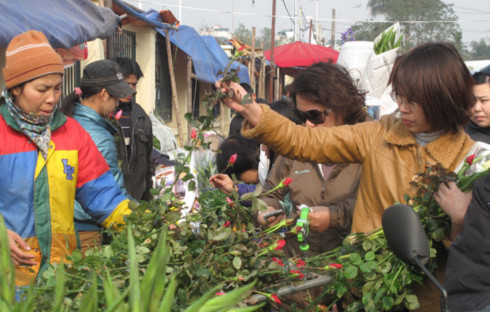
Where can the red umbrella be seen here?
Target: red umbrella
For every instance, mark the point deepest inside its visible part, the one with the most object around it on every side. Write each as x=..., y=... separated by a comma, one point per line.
x=300, y=54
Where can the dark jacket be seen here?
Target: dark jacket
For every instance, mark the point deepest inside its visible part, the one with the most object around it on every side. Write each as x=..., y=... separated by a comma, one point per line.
x=137, y=167
x=468, y=268
x=478, y=133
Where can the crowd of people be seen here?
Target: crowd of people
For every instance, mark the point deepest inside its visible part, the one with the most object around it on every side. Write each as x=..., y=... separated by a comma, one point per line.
x=69, y=172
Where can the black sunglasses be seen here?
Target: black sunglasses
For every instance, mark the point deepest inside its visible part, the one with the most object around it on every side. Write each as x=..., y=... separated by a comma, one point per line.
x=316, y=117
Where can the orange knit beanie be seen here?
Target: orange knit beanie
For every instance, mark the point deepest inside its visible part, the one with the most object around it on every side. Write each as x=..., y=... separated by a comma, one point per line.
x=29, y=55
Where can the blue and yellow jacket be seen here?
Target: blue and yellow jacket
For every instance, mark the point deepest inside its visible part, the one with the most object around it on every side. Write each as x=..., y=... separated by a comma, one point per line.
x=37, y=195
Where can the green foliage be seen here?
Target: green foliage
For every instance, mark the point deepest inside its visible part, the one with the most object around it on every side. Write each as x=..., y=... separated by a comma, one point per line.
x=418, y=32
x=387, y=41
x=480, y=50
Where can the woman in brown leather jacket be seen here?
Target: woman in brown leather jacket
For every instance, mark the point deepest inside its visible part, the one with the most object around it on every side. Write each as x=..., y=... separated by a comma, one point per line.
x=324, y=96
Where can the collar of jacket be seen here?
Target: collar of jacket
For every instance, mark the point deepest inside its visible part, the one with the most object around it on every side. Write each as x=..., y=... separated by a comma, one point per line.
x=58, y=119
x=87, y=112
x=441, y=149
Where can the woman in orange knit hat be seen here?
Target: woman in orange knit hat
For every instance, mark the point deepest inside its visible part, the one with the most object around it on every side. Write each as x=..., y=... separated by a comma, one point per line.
x=46, y=160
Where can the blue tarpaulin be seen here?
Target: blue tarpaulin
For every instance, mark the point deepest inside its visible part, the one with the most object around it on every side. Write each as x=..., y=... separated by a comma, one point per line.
x=218, y=51
x=207, y=62
x=65, y=23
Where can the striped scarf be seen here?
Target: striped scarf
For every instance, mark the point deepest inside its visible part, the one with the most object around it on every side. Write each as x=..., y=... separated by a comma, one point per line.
x=36, y=127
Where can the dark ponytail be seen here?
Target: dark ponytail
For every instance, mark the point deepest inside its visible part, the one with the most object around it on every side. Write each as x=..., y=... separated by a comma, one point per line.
x=68, y=104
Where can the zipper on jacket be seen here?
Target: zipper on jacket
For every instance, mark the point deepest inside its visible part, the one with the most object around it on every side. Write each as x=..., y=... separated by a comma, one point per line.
x=132, y=144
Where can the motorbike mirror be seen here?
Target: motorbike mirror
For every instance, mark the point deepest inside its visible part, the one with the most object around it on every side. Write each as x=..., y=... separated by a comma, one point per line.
x=405, y=234
x=406, y=238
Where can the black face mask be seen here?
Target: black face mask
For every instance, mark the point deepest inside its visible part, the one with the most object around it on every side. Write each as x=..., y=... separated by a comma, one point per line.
x=316, y=117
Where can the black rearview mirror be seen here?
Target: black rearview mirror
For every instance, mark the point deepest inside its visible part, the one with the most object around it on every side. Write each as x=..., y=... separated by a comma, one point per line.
x=406, y=238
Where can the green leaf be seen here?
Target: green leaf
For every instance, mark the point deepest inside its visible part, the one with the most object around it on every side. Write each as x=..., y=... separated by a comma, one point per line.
x=385, y=267
x=411, y=302
x=222, y=303
x=191, y=186
x=366, y=245
x=355, y=307
x=355, y=258
x=237, y=263
x=369, y=266
x=203, y=272
x=369, y=256
x=142, y=249
x=350, y=272
x=134, y=281
x=59, y=292
x=388, y=303
x=366, y=298
x=438, y=234
x=221, y=234
x=166, y=303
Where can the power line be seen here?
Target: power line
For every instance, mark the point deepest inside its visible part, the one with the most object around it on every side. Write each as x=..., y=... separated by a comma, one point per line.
x=319, y=20
x=287, y=11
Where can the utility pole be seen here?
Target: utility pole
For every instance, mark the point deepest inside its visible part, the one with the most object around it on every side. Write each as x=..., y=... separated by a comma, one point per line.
x=252, y=68
x=233, y=17
x=273, y=30
x=296, y=18
x=311, y=27
x=180, y=11
x=332, y=43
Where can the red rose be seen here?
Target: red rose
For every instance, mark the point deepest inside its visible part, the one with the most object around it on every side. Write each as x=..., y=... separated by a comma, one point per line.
x=275, y=298
x=241, y=49
x=278, y=261
x=229, y=201
x=335, y=265
x=297, y=274
x=227, y=224
x=279, y=244
x=287, y=181
x=193, y=134
x=232, y=159
x=470, y=159
x=300, y=263
x=118, y=115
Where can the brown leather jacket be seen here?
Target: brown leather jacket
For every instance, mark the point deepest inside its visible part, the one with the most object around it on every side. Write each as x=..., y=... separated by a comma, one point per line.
x=388, y=153
x=309, y=187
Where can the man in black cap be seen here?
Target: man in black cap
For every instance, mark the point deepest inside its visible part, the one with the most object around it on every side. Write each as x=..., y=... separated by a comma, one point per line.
x=136, y=143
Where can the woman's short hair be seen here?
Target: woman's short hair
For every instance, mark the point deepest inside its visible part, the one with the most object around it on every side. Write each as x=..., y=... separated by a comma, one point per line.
x=247, y=150
x=434, y=76
x=331, y=85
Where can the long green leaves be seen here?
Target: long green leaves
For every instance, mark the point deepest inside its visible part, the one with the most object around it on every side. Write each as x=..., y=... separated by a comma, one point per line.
x=7, y=270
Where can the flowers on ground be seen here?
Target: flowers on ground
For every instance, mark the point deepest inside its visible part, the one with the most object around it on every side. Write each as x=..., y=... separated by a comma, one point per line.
x=278, y=261
x=296, y=274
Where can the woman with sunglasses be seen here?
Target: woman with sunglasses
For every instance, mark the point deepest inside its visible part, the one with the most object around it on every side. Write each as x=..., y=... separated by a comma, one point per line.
x=433, y=88
x=324, y=96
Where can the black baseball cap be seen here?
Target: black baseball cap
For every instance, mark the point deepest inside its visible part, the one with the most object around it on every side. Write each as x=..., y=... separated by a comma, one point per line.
x=106, y=74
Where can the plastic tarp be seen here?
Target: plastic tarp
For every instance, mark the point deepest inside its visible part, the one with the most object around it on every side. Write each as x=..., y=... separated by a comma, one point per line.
x=207, y=63
x=218, y=51
x=300, y=54
x=65, y=23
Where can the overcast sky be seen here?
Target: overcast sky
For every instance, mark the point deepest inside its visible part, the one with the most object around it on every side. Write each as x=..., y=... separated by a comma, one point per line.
x=474, y=15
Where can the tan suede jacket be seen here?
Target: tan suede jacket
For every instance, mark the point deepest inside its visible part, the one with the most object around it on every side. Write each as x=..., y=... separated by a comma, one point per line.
x=388, y=153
